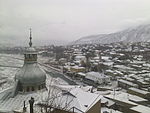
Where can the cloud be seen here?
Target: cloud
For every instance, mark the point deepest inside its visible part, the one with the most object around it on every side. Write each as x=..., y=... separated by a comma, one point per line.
x=126, y=23
x=68, y=19
x=135, y=21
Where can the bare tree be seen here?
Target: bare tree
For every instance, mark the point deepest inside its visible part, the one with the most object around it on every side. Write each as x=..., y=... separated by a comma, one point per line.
x=56, y=99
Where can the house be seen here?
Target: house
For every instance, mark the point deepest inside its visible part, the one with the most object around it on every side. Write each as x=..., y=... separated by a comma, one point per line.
x=77, y=100
x=125, y=102
x=80, y=58
x=94, y=78
x=140, y=109
x=139, y=92
x=126, y=84
x=142, y=83
x=77, y=69
x=81, y=75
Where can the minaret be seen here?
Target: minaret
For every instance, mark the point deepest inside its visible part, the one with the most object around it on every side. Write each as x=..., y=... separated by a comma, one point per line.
x=30, y=43
x=31, y=53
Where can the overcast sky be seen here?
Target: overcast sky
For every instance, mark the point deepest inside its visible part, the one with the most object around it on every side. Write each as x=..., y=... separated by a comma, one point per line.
x=68, y=20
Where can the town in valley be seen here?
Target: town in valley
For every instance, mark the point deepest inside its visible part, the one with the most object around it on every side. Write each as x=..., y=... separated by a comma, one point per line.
x=74, y=56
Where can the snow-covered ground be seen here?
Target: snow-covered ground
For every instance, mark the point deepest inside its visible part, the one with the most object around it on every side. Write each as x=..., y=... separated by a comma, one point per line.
x=10, y=64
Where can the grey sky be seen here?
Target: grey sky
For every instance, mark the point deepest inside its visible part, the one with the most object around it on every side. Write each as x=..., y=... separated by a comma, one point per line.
x=69, y=20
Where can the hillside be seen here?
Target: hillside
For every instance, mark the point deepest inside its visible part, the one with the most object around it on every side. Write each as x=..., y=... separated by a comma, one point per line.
x=137, y=34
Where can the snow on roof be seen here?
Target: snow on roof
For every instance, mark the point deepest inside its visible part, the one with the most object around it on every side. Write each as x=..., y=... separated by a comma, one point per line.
x=130, y=79
x=127, y=96
x=108, y=63
x=80, y=57
x=146, y=64
x=81, y=74
x=86, y=100
x=77, y=67
x=118, y=72
x=92, y=73
x=77, y=96
x=123, y=67
x=95, y=75
x=111, y=71
x=9, y=104
x=96, y=58
x=127, y=82
x=138, y=62
x=108, y=101
x=105, y=57
x=70, y=87
x=141, y=109
x=139, y=91
x=104, y=109
x=67, y=67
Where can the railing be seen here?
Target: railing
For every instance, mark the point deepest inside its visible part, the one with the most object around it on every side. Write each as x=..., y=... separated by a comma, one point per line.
x=74, y=108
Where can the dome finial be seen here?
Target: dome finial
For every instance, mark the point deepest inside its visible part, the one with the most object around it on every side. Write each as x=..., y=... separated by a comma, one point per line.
x=30, y=43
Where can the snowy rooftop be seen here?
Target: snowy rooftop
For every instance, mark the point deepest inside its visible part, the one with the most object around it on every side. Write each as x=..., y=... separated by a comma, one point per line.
x=76, y=96
x=139, y=91
x=141, y=109
x=125, y=97
x=86, y=100
x=95, y=75
x=104, y=109
x=123, y=67
x=127, y=82
x=7, y=103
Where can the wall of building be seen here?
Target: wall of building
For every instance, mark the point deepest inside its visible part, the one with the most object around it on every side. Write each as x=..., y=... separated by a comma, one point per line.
x=96, y=108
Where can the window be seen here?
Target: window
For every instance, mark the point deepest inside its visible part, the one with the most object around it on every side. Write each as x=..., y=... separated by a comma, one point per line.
x=25, y=56
x=21, y=89
x=35, y=56
x=29, y=56
x=39, y=88
x=32, y=88
x=28, y=89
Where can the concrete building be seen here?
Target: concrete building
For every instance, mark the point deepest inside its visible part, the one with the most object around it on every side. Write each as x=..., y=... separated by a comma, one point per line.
x=139, y=92
x=126, y=84
x=96, y=78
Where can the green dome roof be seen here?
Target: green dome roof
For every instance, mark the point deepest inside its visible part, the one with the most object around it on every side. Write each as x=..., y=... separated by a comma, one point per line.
x=31, y=74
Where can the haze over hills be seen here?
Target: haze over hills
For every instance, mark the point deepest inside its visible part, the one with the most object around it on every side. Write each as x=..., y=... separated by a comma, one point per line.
x=13, y=43
x=136, y=34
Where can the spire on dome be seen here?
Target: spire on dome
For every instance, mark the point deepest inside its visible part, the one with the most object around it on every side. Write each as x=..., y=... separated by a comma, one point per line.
x=30, y=43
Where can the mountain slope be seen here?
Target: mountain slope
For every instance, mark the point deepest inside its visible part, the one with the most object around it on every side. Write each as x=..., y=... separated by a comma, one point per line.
x=137, y=34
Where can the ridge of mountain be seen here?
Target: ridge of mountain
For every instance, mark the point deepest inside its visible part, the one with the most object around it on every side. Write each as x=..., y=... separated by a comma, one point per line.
x=135, y=34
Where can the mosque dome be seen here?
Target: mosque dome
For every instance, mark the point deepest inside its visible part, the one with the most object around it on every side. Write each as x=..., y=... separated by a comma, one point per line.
x=30, y=77
x=31, y=74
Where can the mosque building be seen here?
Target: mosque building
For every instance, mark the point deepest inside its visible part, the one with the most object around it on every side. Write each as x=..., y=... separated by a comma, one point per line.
x=31, y=87
x=30, y=77
x=28, y=81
